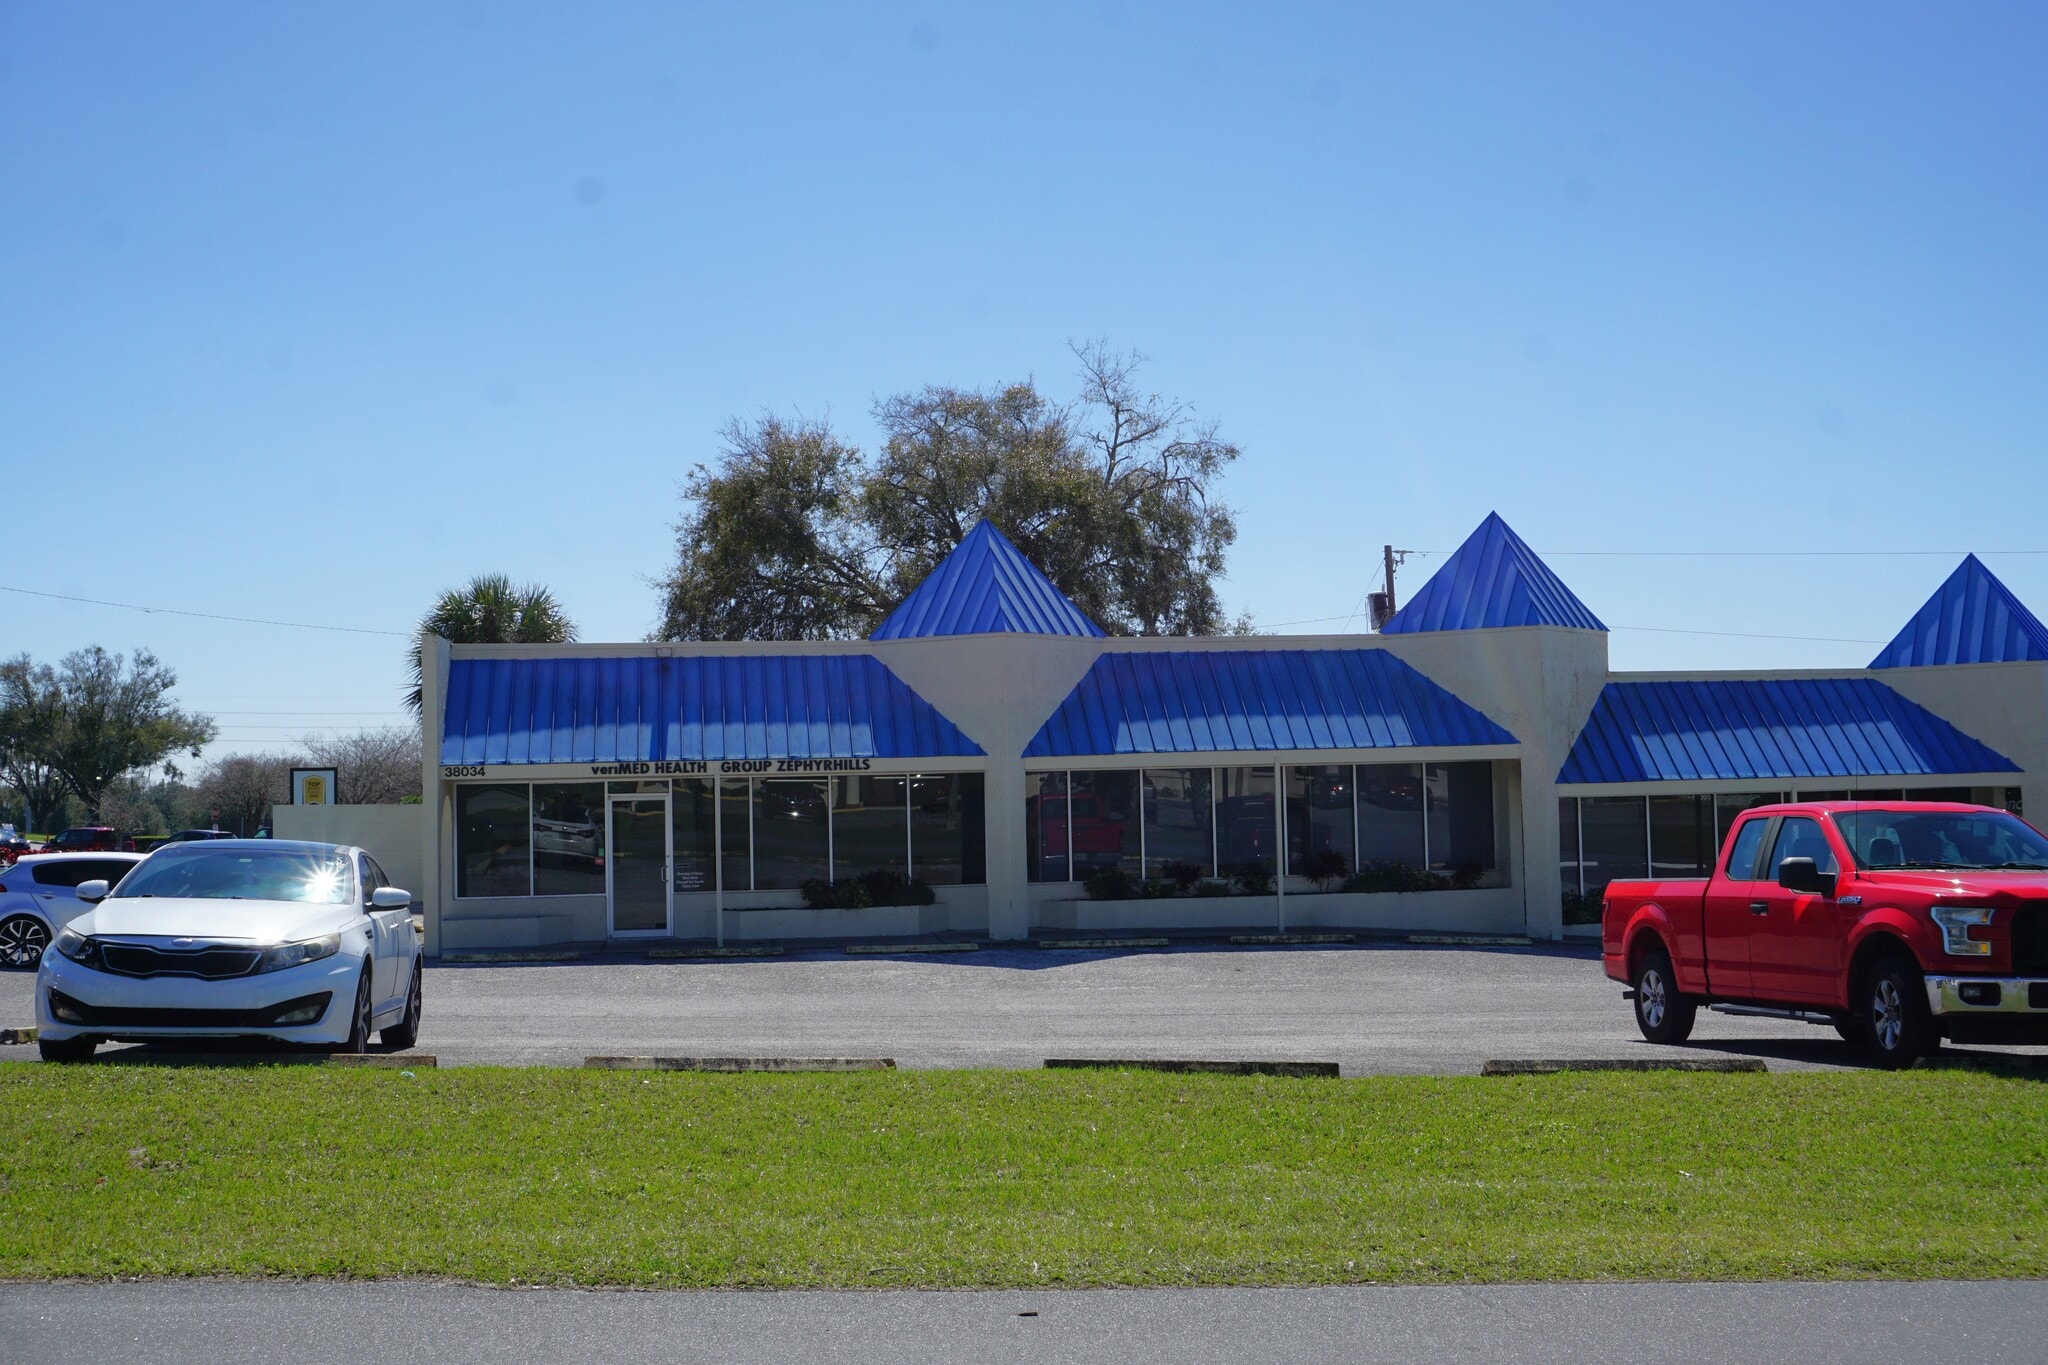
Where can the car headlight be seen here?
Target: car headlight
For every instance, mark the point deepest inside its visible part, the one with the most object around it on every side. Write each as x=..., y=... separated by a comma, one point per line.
x=75, y=946
x=1956, y=921
x=298, y=954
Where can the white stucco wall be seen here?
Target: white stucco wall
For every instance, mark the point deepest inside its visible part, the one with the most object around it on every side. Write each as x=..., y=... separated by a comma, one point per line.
x=392, y=834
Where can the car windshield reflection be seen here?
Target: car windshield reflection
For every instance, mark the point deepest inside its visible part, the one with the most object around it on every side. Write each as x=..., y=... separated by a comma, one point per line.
x=202, y=873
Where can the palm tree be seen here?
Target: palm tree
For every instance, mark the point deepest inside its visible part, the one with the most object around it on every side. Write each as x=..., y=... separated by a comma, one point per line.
x=490, y=611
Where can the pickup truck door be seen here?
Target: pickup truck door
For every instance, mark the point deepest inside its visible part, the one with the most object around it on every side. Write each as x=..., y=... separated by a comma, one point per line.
x=1797, y=952
x=1729, y=911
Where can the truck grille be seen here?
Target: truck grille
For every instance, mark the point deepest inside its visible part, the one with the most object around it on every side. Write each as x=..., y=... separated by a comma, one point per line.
x=211, y=963
x=2030, y=941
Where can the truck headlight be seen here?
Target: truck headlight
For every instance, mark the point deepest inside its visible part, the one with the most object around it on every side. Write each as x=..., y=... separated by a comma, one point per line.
x=286, y=955
x=1956, y=921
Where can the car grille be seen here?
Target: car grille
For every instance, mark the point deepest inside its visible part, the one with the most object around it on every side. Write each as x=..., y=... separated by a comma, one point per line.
x=208, y=964
x=76, y=1012
x=2030, y=941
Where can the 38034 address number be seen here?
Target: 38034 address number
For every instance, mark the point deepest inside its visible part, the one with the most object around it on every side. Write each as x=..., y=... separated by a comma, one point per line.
x=462, y=770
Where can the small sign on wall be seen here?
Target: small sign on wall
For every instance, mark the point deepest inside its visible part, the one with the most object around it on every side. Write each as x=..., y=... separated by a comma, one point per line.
x=313, y=786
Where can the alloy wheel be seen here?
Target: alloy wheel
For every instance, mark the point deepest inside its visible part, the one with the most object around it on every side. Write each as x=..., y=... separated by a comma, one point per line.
x=1887, y=1014
x=22, y=941
x=1650, y=997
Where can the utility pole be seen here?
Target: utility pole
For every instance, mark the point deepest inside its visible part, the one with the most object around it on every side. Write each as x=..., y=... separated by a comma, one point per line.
x=1383, y=604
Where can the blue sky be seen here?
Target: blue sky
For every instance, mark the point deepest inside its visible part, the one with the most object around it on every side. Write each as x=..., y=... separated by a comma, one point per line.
x=312, y=310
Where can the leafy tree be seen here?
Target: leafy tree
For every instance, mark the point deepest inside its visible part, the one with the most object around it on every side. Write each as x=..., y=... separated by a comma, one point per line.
x=798, y=535
x=491, y=611
x=97, y=717
x=30, y=716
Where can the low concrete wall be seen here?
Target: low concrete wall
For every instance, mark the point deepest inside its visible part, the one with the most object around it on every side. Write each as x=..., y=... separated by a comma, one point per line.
x=1482, y=910
x=394, y=835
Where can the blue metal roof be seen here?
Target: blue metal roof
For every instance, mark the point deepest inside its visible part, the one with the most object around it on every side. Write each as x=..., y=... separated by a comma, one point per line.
x=1493, y=579
x=985, y=585
x=1767, y=728
x=1280, y=699
x=1971, y=619
x=616, y=710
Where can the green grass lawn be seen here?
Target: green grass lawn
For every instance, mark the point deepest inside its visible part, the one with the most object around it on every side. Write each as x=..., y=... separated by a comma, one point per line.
x=1016, y=1178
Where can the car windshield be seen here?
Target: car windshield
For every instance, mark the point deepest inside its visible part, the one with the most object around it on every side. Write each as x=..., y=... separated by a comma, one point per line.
x=211, y=873
x=1979, y=840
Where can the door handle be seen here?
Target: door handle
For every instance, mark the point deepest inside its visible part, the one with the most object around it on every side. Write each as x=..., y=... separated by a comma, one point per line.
x=1759, y=907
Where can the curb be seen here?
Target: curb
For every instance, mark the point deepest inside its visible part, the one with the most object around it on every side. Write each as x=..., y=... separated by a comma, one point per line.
x=1280, y=940
x=1221, y=1068
x=17, y=1035
x=1086, y=943
x=541, y=956
x=1551, y=1068
x=891, y=949
x=737, y=1064
x=672, y=954
x=1474, y=940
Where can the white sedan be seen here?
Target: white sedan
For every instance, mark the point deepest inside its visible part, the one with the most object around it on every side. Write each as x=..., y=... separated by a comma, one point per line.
x=301, y=942
x=39, y=896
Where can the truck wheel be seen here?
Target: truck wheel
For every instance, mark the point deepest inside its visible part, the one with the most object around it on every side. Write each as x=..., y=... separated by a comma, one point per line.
x=1850, y=1029
x=1662, y=1013
x=1898, y=1028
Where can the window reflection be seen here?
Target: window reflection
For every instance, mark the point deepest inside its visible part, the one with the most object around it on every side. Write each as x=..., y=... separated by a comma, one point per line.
x=492, y=834
x=568, y=838
x=1179, y=822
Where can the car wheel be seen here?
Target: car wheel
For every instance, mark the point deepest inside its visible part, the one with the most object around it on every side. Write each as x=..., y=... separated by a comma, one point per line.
x=359, y=1018
x=406, y=1031
x=1662, y=1013
x=66, y=1049
x=1898, y=1028
x=22, y=940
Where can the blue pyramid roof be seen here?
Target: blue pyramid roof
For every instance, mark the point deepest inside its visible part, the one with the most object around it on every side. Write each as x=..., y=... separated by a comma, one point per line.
x=985, y=585
x=1493, y=579
x=1971, y=619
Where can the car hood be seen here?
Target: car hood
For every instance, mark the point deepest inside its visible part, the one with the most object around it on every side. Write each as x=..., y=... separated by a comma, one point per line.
x=251, y=921
x=2023, y=885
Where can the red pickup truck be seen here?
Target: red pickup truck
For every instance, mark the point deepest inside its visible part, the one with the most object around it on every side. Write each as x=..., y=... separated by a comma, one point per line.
x=1899, y=922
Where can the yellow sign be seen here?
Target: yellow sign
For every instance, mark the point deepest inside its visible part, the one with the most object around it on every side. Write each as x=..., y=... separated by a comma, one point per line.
x=314, y=792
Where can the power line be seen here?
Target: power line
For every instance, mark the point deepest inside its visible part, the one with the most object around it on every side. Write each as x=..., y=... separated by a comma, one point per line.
x=1753, y=635
x=1764, y=554
x=204, y=615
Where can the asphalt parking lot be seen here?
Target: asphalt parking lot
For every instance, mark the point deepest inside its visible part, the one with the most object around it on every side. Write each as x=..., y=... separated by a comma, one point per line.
x=1372, y=1007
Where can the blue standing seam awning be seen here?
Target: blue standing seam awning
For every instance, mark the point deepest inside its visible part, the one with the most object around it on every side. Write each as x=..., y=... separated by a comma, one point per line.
x=1211, y=701
x=638, y=709
x=1728, y=729
x=985, y=585
x=1972, y=618
x=1493, y=580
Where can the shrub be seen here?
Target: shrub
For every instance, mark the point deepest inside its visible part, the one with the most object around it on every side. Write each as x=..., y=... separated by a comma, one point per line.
x=1209, y=887
x=1390, y=876
x=1254, y=879
x=1581, y=908
x=1183, y=876
x=879, y=887
x=1467, y=875
x=1324, y=867
x=1110, y=883
x=818, y=894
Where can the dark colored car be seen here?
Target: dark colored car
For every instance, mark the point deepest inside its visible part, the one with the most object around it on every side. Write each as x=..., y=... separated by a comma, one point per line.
x=90, y=839
x=189, y=836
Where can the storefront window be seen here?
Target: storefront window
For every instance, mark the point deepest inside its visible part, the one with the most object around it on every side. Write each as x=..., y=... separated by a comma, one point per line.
x=1568, y=845
x=1681, y=836
x=1102, y=821
x=1321, y=822
x=1045, y=828
x=568, y=839
x=1179, y=822
x=870, y=827
x=694, y=834
x=1247, y=829
x=492, y=841
x=791, y=838
x=736, y=834
x=1390, y=814
x=949, y=829
x=1728, y=805
x=1460, y=806
x=1615, y=839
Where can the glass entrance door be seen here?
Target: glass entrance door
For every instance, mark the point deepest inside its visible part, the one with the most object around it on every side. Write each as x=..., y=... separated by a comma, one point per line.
x=636, y=864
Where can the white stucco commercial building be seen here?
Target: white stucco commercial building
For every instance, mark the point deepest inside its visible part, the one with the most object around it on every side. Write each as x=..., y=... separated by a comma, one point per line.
x=1473, y=768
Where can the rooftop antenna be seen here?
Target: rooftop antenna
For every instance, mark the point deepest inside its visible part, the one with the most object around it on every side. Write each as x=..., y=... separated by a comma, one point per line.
x=1383, y=604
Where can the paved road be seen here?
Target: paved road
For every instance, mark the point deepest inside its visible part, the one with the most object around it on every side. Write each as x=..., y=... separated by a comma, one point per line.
x=1372, y=1008
x=225, y=1321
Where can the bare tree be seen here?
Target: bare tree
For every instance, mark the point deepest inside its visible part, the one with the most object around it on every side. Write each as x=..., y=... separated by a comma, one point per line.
x=243, y=788
x=372, y=768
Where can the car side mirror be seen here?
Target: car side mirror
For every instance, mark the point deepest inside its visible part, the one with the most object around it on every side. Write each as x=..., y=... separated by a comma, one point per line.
x=390, y=898
x=1800, y=874
x=94, y=891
